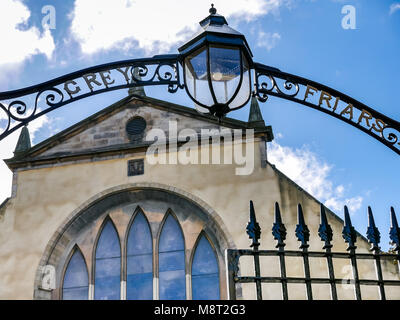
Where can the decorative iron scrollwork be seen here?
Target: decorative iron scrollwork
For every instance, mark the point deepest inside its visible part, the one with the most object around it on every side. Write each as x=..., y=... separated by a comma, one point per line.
x=19, y=107
x=270, y=81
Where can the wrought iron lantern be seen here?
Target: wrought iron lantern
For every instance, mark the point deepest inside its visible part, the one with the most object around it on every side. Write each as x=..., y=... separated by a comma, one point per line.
x=216, y=64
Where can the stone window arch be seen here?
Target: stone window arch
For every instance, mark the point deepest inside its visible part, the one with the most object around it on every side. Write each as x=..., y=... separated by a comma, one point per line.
x=125, y=212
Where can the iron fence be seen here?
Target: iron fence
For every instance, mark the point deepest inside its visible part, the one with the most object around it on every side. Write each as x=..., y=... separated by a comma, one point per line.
x=326, y=235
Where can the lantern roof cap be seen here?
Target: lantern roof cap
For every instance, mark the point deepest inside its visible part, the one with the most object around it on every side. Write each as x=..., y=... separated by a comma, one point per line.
x=213, y=19
x=215, y=28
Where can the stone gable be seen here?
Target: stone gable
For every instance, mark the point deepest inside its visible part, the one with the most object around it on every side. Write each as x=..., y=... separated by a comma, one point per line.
x=111, y=131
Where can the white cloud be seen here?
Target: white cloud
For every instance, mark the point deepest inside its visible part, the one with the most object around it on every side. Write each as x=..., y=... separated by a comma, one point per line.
x=19, y=41
x=155, y=25
x=303, y=167
x=7, y=147
x=3, y=114
x=394, y=7
x=267, y=40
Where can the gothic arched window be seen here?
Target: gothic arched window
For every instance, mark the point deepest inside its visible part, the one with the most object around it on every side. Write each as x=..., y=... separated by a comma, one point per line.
x=139, y=255
x=107, y=282
x=76, y=284
x=142, y=266
x=171, y=257
x=205, y=275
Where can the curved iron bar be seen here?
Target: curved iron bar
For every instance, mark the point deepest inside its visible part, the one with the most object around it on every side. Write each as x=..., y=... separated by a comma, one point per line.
x=58, y=92
x=384, y=129
x=377, y=125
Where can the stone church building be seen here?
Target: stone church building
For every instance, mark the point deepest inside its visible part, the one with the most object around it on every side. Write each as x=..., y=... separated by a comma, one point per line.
x=91, y=217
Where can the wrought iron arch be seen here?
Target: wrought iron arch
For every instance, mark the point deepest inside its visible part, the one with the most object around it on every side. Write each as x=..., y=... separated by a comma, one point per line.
x=25, y=105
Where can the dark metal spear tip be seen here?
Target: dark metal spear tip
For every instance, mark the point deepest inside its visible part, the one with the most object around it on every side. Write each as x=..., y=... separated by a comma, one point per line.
x=373, y=233
x=253, y=228
x=302, y=231
x=278, y=218
x=347, y=220
x=325, y=231
x=349, y=233
x=300, y=215
x=394, y=232
x=393, y=218
x=323, y=220
x=278, y=228
x=371, y=220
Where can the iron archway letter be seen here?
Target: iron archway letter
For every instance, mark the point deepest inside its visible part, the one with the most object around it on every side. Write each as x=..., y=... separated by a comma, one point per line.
x=272, y=81
x=19, y=107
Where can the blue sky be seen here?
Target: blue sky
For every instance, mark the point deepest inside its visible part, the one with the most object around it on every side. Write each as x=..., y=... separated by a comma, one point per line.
x=332, y=160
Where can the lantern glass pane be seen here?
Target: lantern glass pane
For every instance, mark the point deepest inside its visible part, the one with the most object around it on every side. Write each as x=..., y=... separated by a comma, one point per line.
x=196, y=77
x=225, y=72
x=245, y=89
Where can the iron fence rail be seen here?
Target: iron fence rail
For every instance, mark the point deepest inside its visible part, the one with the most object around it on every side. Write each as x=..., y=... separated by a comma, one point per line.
x=325, y=233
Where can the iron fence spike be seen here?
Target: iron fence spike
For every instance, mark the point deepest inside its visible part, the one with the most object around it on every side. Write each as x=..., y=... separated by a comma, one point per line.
x=349, y=233
x=302, y=231
x=394, y=232
x=325, y=231
x=278, y=228
x=373, y=234
x=253, y=228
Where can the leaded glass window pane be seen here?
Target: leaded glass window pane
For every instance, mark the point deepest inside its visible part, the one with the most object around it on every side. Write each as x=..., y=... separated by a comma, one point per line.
x=205, y=276
x=108, y=265
x=139, y=284
x=172, y=262
x=76, y=284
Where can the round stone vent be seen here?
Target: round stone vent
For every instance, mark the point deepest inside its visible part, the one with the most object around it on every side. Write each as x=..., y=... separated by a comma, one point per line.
x=135, y=129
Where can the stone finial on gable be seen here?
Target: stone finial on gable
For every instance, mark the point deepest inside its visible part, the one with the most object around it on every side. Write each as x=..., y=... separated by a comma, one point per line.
x=255, y=117
x=137, y=90
x=24, y=142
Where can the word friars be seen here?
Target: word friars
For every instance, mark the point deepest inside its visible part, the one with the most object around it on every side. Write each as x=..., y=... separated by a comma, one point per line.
x=347, y=111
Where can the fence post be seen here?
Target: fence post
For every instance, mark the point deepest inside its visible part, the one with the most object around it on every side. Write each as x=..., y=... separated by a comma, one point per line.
x=232, y=266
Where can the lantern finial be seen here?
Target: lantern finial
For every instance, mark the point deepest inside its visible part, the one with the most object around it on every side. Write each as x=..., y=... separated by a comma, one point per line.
x=212, y=9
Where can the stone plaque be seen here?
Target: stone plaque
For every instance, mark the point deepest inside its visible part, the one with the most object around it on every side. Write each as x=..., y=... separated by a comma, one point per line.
x=135, y=167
